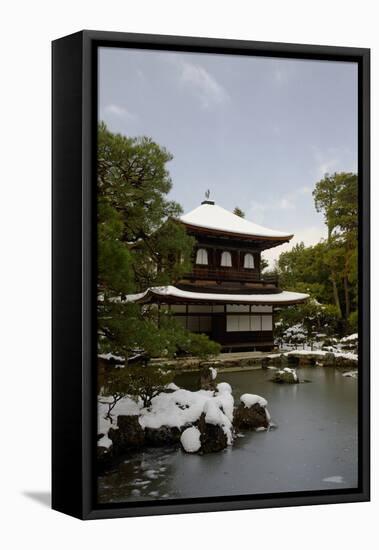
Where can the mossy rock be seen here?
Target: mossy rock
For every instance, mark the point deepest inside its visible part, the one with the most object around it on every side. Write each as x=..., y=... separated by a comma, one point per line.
x=284, y=377
x=250, y=418
x=162, y=437
x=212, y=437
x=129, y=434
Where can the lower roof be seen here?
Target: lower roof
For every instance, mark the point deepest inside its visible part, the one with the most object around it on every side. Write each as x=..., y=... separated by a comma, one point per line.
x=171, y=294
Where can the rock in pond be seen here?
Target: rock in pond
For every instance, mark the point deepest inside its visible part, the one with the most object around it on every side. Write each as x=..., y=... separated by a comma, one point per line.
x=285, y=376
x=208, y=375
x=328, y=360
x=345, y=363
x=212, y=436
x=129, y=434
x=251, y=413
x=160, y=437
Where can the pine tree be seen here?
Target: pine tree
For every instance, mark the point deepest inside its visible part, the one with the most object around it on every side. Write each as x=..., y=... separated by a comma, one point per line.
x=140, y=244
x=238, y=212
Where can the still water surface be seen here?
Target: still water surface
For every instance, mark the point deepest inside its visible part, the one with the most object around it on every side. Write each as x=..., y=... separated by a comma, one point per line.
x=314, y=446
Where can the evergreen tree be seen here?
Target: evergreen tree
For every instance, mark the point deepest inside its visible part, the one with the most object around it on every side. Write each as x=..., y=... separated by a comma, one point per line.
x=140, y=244
x=336, y=196
x=329, y=269
x=238, y=212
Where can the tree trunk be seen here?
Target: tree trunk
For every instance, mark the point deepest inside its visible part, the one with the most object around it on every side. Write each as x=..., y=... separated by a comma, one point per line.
x=347, y=296
x=336, y=297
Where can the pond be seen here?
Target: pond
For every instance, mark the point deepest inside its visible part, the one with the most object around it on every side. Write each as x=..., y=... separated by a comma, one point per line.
x=314, y=446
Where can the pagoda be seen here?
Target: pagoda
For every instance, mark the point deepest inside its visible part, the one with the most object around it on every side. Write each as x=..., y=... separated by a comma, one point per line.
x=226, y=296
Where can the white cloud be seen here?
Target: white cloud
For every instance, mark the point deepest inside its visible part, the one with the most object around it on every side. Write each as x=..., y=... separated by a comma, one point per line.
x=118, y=111
x=308, y=235
x=285, y=204
x=326, y=161
x=256, y=212
x=200, y=82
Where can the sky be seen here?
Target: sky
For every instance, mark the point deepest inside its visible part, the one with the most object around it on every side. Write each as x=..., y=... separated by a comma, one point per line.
x=258, y=132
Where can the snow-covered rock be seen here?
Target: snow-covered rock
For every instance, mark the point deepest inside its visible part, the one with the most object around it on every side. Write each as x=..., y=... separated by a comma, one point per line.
x=252, y=413
x=249, y=400
x=285, y=376
x=208, y=375
x=224, y=387
x=190, y=440
x=224, y=398
x=213, y=373
x=202, y=421
x=215, y=430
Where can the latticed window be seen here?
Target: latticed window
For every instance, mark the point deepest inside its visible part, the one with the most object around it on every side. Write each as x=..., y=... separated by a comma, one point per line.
x=226, y=259
x=248, y=262
x=202, y=257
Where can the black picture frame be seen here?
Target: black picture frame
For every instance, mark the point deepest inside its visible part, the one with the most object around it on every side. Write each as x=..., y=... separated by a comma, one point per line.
x=74, y=91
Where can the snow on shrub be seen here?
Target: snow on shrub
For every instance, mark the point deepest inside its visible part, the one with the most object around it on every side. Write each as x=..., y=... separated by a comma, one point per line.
x=190, y=440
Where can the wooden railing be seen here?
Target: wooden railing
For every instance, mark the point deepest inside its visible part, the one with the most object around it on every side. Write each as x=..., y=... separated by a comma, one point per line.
x=229, y=274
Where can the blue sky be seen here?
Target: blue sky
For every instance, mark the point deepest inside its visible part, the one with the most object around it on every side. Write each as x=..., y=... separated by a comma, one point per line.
x=258, y=132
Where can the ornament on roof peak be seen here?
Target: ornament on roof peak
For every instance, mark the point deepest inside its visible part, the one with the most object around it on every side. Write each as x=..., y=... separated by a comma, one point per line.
x=207, y=195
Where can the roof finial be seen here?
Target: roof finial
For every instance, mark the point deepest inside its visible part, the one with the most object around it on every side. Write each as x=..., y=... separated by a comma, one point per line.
x=207, y=195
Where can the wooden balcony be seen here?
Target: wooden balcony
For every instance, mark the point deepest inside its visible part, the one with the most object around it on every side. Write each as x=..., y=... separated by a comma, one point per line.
x=229, y=274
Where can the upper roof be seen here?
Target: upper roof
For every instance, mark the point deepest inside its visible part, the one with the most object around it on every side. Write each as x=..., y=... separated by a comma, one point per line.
x=211, y=216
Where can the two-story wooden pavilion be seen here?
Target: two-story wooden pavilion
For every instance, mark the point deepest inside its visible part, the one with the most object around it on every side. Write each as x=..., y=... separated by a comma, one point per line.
x=225, y=295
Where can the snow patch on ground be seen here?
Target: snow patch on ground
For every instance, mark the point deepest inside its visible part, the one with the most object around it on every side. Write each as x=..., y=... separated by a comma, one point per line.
x=351, y=337
x=322, y=353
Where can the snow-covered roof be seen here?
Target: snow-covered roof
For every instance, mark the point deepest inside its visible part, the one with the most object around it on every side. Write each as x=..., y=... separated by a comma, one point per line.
x=211, y=216
x=284, y=297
